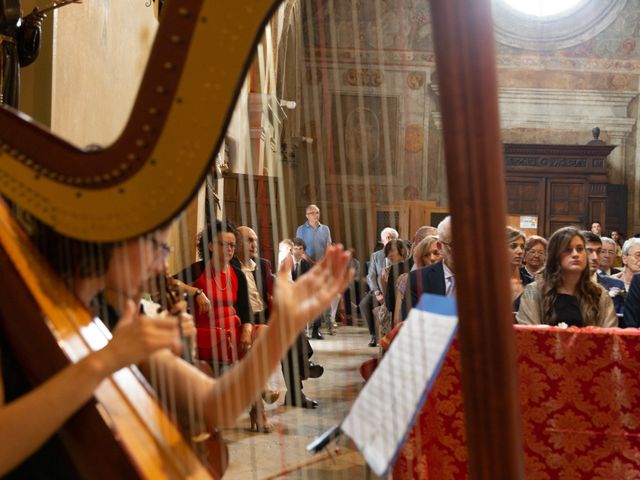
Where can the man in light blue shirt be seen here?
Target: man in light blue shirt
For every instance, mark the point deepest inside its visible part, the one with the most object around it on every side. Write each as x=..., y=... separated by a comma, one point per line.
x=315, y=235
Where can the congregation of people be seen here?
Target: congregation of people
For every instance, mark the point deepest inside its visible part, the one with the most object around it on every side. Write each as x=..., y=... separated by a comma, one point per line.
x=574, y=278
x=236, y=317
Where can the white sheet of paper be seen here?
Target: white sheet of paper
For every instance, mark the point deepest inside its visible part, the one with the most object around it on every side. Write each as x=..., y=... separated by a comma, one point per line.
x=387, y=406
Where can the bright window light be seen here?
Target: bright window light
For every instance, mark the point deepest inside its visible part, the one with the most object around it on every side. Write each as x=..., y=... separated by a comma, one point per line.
x=542, y=8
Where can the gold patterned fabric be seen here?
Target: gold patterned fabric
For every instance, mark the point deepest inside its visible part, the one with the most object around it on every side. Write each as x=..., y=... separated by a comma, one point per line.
x=580, y=397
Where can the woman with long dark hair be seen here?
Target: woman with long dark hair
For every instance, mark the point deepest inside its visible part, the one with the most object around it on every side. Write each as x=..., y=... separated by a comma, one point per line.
x=564, y=292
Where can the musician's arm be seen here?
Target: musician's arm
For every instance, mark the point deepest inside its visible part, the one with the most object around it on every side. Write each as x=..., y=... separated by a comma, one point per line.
x=294, y=304
x=30, y=420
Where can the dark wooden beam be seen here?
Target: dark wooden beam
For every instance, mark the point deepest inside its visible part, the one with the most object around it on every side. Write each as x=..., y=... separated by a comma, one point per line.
x=465, y=59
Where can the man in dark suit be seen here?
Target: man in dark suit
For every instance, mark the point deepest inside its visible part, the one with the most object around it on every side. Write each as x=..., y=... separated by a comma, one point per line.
x=438, y=278
x=257, y=271
x=607, y=256
x=296, y=365
x=631, y=317
x=300, y=264
x=614, y=286
x=375, y=296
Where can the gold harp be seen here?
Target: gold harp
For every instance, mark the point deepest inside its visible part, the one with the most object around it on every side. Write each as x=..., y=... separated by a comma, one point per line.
x=112, y=194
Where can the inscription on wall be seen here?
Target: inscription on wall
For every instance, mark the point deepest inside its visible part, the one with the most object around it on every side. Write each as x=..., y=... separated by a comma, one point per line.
x=546, y=162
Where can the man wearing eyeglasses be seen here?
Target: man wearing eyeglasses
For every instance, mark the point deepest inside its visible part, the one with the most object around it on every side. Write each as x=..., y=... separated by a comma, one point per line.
x=317, y=237
x=439, y=278
x=607, y=256
x=631, y=261
x=613, y=286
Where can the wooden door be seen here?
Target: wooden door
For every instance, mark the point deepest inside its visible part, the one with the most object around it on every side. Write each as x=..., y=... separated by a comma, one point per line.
x=526, y=196
x=566, y=204
x=252, y=200
x=616, y=209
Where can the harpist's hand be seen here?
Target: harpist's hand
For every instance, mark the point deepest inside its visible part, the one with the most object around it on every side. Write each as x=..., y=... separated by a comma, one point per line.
x=300, y=302
x=136, y=337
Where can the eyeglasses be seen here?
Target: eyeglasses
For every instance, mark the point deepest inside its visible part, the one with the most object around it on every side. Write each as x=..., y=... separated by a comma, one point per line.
x=448, y=244
x=635, y=255
x=608, y=252
x=163, y=247
x=227, y=244
x=536, y=253
x=313, y=213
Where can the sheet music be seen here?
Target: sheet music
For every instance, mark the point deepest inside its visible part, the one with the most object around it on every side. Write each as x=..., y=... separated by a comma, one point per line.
x=387, y=406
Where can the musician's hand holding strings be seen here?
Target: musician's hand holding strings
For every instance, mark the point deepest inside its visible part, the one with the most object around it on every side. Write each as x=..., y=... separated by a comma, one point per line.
x=34, y=417
x=137, y=336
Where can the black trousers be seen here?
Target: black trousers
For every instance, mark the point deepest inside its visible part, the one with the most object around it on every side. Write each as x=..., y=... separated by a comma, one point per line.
x=295, y=365
x=352, y=292
x=368, y=303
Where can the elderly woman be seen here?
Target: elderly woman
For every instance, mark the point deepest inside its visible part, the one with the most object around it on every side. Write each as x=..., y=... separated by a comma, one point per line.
x=519, y=278
x=535, y=252
x=630, y=260
x=564, y=292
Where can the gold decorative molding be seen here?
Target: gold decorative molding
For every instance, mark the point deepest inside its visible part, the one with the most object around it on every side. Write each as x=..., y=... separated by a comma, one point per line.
x=363, y=77
x=413, y=138
x=415, y=80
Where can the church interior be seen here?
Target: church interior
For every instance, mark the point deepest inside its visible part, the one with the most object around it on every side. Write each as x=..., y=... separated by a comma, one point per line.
x=348, y=107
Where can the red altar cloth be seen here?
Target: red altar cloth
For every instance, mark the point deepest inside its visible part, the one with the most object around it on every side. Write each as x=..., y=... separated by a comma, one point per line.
x=580, y=397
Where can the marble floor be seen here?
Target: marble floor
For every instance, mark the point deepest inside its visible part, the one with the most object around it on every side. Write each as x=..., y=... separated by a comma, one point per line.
x=263, y=456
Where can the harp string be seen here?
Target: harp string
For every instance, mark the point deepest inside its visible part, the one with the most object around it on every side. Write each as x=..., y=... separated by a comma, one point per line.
x=336, y=170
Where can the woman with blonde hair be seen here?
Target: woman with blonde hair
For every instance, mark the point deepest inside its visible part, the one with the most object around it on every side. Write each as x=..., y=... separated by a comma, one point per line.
x=564, y=292
x=425, y=253
x=519, y=279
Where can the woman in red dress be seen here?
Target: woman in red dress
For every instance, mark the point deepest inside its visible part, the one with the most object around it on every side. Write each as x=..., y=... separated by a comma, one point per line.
x=225, y=329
